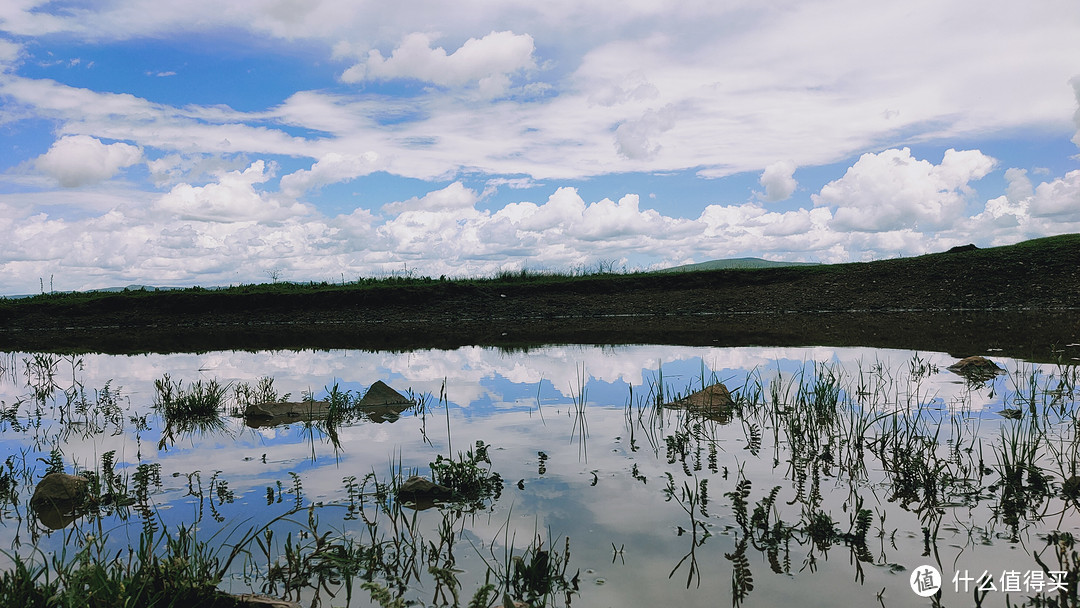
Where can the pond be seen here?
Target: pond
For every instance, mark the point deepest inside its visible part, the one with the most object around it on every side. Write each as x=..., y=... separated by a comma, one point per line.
x=832, y=476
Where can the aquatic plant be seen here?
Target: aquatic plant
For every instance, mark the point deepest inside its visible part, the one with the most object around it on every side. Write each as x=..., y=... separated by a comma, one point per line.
x=470, y=484
x=199, y=400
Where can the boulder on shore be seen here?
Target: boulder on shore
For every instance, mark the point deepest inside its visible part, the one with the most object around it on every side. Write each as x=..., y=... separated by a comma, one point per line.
x=962, y=248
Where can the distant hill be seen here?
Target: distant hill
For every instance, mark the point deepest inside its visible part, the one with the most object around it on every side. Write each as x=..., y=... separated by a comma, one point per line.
x=734, y=263
x=102, y=290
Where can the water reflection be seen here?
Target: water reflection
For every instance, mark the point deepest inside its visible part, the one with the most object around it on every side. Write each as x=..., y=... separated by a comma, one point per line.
x=682, y=474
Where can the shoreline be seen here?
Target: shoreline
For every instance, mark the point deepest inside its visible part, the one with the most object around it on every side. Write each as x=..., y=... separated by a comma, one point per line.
x=1022, y=299
x=1035, y=335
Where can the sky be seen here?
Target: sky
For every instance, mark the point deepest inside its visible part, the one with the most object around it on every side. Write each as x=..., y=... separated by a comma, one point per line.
x=220, y=143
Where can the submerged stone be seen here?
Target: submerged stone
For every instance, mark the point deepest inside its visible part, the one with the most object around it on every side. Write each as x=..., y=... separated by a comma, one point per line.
x=713, y=402
x=1012, y=413
x=1071, y=488
x=282, y=412
x=57, y=499
x=422, y=492
x=976, y=367
x=381, y=394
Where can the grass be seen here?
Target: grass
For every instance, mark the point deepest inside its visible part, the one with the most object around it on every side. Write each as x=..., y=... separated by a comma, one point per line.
x=164, y=571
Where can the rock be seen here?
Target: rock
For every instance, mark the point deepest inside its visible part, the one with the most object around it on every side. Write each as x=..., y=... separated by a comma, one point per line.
x=1071, y=488
x=713, y=402
x=422, y=492
x=976, y=367
x=383, y=413
x=284, y=412
x=380, y=394
x=383, y=404
x=57, y=499
x=960, y=248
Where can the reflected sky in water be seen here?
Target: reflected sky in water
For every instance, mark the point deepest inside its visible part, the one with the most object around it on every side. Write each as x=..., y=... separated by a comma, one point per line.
x=590, y=412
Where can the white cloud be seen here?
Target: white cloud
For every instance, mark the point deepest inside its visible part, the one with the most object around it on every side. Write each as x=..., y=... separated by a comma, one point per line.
x=892, y=190
x=1058, y=198
x=80, y=160
x=1075, y=82
x=454, y=196
x=121, y=116
x=631, y=87
x=716, y=88
x=636, y=139
x=232, y=198
x=330, y=169
x=486, y=62
x=9, y=53
x=232, y=230
x=1018, y=185
x=779, y=181
x=1052, y=207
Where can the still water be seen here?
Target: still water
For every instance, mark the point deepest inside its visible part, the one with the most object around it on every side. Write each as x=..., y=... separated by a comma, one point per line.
x=833, y=478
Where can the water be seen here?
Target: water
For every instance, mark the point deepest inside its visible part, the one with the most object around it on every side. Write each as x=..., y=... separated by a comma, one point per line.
x=887, y=462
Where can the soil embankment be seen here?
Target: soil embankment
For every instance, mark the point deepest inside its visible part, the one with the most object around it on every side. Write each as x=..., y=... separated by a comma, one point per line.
x=1022, y=299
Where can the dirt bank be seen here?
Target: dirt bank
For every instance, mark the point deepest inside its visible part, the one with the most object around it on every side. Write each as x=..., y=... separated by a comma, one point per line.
x=1023, y=298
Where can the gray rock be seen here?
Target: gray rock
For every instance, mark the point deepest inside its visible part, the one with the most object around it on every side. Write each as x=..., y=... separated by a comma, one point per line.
x=284, y=412
x=421, y=491
x=976, y=368
x=57, y=498
x=713, y=402
x=381, y=394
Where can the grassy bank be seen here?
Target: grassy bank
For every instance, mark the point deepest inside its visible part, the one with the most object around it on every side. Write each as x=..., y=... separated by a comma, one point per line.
x=1041, y=275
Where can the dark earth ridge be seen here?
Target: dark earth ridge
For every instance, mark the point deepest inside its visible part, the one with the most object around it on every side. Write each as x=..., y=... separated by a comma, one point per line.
x=1022, y=299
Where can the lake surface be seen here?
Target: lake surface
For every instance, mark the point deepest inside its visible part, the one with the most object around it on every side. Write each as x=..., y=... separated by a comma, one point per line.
x=836, y=475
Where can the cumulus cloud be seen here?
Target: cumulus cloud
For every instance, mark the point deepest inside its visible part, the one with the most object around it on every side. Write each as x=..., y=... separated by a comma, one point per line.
x=331, y=168
x=892, y=190
x=454, y=196
x=1052, y=207
x=80, y=160
x=636, y=139
x=1057, y=198
x=232, y=198
x=486, y=62
x=1018, y=186
x=779, y=181
x=231, y=230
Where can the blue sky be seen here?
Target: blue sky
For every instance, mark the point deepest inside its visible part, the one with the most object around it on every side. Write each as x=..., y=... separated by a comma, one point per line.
x=142, y=144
